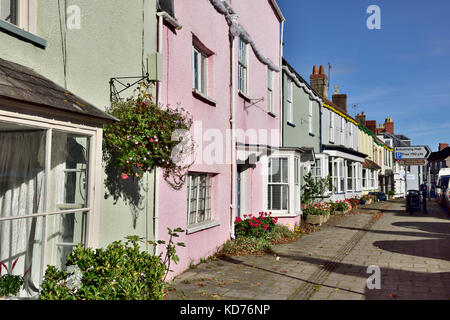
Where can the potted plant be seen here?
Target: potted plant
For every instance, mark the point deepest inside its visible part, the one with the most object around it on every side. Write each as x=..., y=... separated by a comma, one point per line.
x=341, y=207
x=10, y=284
x=367, y=199
x=316, y=213
x=391, y=194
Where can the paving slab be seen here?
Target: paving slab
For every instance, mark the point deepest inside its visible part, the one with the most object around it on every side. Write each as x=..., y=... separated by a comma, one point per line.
x=412, y=254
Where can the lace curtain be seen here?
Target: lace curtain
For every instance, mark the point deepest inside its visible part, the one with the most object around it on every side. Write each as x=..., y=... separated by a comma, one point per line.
x=22, y=164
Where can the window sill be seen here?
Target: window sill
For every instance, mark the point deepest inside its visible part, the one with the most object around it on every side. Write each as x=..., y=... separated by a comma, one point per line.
x=284, y=214
x=270, y=113
x=244, y=96
x=201, y=96
x=202, y=226
x=21, y=34
x=291, y=124
x=170, y=20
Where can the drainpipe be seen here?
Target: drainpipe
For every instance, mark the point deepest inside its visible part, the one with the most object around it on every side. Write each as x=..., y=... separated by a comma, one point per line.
x=156, y=170
x=233, y=134
x=281, y=83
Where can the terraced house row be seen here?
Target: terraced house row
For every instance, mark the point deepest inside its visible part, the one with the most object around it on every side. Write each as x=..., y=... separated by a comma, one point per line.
x=258, y=126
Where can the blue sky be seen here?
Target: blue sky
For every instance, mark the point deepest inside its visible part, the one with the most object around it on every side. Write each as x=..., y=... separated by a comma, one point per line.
x=401, y=71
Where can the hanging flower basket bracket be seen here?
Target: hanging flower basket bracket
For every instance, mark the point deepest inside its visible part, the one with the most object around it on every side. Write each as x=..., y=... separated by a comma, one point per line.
x=118, y=85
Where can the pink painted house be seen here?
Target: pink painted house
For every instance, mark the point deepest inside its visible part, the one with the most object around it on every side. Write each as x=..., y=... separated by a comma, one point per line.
x=222, y=63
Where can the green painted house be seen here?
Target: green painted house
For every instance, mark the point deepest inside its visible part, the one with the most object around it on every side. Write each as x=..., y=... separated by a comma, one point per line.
x=57, y=59
x=301, y=111
x=301, y=120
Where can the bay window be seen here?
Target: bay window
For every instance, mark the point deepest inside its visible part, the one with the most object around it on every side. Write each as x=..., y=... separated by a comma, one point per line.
x=46, y=192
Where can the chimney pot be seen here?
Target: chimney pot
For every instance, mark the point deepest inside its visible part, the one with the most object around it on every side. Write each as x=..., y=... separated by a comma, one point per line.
x=319, y=81
x=322, y=70
x=315, y=70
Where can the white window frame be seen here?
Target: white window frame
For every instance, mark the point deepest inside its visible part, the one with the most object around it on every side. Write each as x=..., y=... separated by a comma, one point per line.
x=331, y=131
x=350, y=134
x=290, y=101
x=94, y=179
x=342, y=131
x=194, y=180
x=270, y=91
x=310, y=117
x=350, y=177
x=243, y=67
x=26, y=15
x=297, y=182
x=199, y=76
x=282, y=183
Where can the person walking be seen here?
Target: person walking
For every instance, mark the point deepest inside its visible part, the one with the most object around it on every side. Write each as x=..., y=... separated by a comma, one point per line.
x=424, y=192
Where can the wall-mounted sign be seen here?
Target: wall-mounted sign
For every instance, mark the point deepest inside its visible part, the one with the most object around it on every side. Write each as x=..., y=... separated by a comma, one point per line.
x=413, y=152
x=413, y=162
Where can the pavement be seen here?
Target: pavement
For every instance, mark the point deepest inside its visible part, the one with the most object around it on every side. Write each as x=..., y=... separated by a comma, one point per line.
x=408, y=256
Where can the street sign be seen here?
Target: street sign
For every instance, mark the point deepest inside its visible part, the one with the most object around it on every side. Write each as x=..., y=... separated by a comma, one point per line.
x=413, y=152
x=413, y=162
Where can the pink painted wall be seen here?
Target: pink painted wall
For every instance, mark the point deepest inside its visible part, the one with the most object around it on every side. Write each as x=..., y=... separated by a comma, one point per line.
x=210, y=27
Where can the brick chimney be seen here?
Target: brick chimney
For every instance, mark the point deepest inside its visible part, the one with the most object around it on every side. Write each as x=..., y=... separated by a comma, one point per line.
x=372, y=125
x=442, y=146
x=319, y=81
x=340, y=99
x=389, y=126
x=361, y=118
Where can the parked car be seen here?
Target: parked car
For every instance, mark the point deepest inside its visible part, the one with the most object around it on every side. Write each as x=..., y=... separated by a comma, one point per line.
x=443, y=190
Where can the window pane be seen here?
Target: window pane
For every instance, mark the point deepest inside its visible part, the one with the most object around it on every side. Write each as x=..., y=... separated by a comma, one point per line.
x=8, y=11
x=193, y=200
x=274, y=170
x=196, y=70
x=22, y=170
x=65, y=232
x=21, y=239
x=204, y=84
x=284, y=194
x=275, y=196
x=201, y=199
x=69, y=174
x=284, y=170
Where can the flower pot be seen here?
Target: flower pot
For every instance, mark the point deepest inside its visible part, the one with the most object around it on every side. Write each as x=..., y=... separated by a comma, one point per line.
x=363, y=202
x=318, y=220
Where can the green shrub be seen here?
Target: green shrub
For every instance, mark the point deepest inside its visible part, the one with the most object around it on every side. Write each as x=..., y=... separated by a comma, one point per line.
x=119, y=272
x=280, y=232
x=251, y=245
x=245, y=245
x=10, y=285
